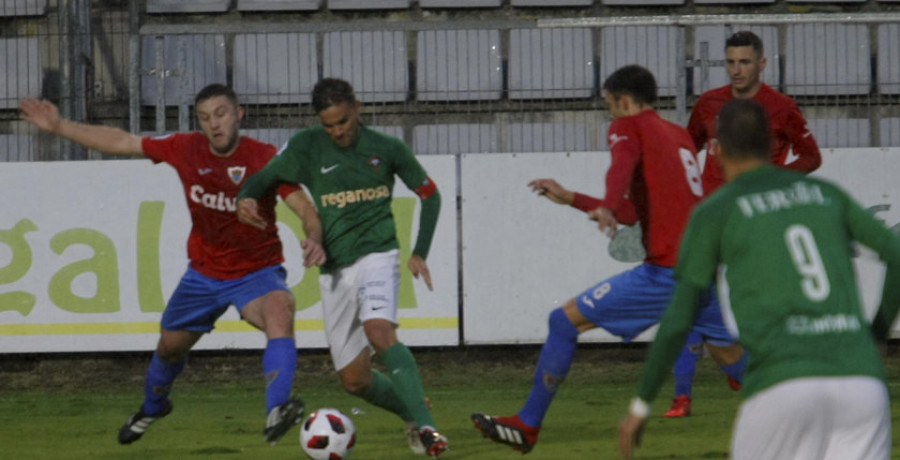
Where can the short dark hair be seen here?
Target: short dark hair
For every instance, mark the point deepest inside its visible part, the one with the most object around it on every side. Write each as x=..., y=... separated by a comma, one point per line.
x=331, y=91
x=742, y=129
x=634, y=81
x=214, y=90
x=745, y=38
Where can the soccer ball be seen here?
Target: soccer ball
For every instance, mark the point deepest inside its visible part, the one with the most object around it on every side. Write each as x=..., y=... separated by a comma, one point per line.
x=327, y=434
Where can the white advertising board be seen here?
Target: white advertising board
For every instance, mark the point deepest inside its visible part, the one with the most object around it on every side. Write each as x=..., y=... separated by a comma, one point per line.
x=90, y=251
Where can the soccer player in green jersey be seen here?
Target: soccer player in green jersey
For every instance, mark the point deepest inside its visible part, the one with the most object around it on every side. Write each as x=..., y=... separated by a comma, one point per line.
x=780, y=245
x=350, y=170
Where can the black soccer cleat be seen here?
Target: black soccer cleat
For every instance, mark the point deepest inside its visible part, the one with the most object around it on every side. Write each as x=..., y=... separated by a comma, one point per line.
x=282, y=418
x=507, y=430
x=433, y=442
x=138, y=423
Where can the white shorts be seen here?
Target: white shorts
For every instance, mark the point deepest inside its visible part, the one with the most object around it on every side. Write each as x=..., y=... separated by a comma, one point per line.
x=827, y=418
x=355, y=294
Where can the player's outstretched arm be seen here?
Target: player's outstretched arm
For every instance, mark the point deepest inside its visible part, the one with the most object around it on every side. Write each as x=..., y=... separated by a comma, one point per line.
x=552, y=190
x=313, y=252
x=106, y=139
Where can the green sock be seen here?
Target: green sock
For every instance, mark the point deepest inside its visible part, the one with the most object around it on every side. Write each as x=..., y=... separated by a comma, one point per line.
x=383, y=394
x=404, y=373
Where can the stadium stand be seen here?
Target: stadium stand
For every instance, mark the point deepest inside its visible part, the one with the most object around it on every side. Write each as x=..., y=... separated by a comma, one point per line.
x=204, y=59
x=653, y=47
x=890, y=132
x=548, y=137
x=192, y=6
x=396, y=131
x=827, y=59
x=460, y=3
x=551, y=63
x=17, y=147
x=279, y=5
x=369, y=4
x=23, y=7
x=457, y=138
x=551, y=3
x=889, y=58
x=841, y=132
x=642, y=2
x=374, y=62
x=275, y=68
x=22, y=75
x=458, y=65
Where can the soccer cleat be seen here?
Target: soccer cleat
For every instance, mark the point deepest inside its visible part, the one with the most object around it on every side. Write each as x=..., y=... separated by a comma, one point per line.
x=681, y=407
x=413, y=438
x=138, y=423
x=282, y=418
x=734, y=384
x=433, y=443
x=507, y=430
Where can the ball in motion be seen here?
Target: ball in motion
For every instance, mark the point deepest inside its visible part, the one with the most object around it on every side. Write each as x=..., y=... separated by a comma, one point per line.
x=327, y=434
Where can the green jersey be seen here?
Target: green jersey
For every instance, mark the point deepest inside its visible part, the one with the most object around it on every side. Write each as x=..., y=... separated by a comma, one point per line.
x=352, y=189
x=780, y=245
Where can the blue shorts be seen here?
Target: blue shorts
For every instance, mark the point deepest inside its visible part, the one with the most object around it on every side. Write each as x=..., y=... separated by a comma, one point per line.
x=199, y=300
x=631, y=302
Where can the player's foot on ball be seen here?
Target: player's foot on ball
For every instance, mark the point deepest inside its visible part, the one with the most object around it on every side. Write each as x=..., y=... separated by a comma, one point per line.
x=434, y=443
x=413, y=438
x=137, y=424
x=282, y=418
x=734, y=384
x=681, y=407
x=507, y=430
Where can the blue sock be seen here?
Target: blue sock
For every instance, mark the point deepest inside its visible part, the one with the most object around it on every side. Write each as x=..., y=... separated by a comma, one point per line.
x=736, y=370
x=159, y=383
x=686, y=364
x=552, y=367
x=279, y=366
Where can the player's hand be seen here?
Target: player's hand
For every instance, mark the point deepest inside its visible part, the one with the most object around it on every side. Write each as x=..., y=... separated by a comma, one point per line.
x=552, y=190
x=313, y=253
x=418, y=267
x=606, y=221
x=40, y=113
x=630, y=432
x=248, y=213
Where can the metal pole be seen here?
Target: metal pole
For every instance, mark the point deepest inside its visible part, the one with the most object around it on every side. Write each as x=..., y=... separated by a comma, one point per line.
x=134, y=67
x=65, y=74
x=160, y=70
x=681, y=91
x=184, y=99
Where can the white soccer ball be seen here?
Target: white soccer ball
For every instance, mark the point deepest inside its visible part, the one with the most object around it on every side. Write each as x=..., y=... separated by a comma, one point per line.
x=327, y=434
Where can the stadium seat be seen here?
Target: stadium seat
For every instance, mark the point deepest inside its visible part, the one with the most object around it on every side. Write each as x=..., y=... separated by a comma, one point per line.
x=890, y=132
x=23, y=7
x=452, y=139
x=396, y=131
x=715, y=36
x=551, y=3
x=888, y=62
x=275, y=68
x=730, y=2
x=841, y=132
x=460, y=3
x=642, y=2
x=374, y=62
x=205, y=64
x=279, y=5
x=17, y=147
x=551, y=63
x=24, y=75
x=457, y=65
x=827, y=59
x=368, y=4
x=192, y=6
x=274, y=136
x=548, y=137
x=653, y=47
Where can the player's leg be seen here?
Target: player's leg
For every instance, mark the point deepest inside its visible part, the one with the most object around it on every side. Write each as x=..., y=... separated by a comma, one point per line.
x=264, y=300
x=861, y=419
x=721, y=340
x=191, y=312
x=685, y=366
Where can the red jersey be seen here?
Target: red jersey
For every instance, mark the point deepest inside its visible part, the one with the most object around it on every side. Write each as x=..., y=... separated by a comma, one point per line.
x=786, y=123
x=654, y=176
x=219, y=246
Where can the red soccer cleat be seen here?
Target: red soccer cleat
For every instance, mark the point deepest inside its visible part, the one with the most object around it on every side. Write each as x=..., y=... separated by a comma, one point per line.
x=734, y=384
x=507, y=430
x=681, y=407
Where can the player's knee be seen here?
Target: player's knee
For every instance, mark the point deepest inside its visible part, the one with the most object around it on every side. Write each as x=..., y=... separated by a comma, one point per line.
x=559, y=324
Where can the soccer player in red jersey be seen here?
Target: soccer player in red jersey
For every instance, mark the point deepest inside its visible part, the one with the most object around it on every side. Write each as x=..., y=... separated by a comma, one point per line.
x=230, y=263
x=744, y=62
x=654, y=179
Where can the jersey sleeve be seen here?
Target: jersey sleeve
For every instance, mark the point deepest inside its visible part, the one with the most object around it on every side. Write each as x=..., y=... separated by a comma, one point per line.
x=284, y=171
x=166, y=149
x=626, y=154
x=416, y=179
x=697, y=128
x=803, y=143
